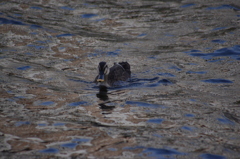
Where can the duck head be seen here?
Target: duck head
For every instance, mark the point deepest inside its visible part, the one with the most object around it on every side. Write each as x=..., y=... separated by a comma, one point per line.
x=103, y=71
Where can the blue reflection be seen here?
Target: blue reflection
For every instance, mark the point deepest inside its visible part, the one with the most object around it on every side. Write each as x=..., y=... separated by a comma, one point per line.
x=226, y=6
x=219, y=28
x=160, y=82
x=23, y=68
x=19, y=123
x=62, y=35
x=211, y=156
x=196, y=72
x=37, y=8
x=133, y=148
x=187, y=5
x=58, y=124
x=166, y=74
x=69, y=145
x=34, y=26
x=225, y=121
x=18, y=15
x=188, y=128
x=66, y=8
x=112, y=53
x=90, y=15
x=175, y=68
x=233, y=52
x=74, y=104
x=217, y=81
x=155, y=121
x=109, y=53
x=152, y=57
x=189, y=115
x=49, y=150
x=141, y=35
x=7, y=21
x=192, y=51
x=160, y=152
x=42, y=124
x=218, y=41
x=47, y=103
x=164, y=82
x=99, y=20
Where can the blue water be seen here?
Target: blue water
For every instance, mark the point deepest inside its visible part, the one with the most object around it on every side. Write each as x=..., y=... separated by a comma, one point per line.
x=141, y=35
x=34, y=26
x=67, y=8
x=175, y=68
x=37, y=8
x=218, y=41
x=189, y=115
x=23, y=68
x=192, y=100
x=69, y=145
x=46, y=103
x=218, y=28
x=90, y=15
x=58, y=124
x=74, y=104
x=114, y=53
x=160, y=153
x=133, y=148
x=63, y=35
x=226, y=6
x=211, y=156
x=155, y=121
x=188, y=128
x=49, y=150
x=217, y=81
x=225, y=121
x=42, y=124
x=233, y=52
x=20, y=123
x=187, y=5
x=8, y=21
x=166, y=74
x=196, y=72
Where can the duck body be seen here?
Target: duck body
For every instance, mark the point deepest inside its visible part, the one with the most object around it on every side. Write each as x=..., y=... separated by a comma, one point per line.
x=110, y=77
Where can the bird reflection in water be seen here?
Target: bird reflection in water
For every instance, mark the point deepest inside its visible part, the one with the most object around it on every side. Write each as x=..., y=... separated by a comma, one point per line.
x=102, y=95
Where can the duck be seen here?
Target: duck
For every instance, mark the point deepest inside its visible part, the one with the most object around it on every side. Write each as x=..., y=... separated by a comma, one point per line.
x=110, y=76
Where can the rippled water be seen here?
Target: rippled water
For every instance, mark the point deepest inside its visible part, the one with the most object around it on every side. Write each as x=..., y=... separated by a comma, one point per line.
x=181, y=102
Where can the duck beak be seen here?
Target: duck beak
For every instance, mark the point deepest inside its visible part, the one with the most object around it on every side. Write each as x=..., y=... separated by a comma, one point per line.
x=100, y=77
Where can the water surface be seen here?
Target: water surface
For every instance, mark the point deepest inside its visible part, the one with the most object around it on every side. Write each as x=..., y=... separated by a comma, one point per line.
x=181, y=102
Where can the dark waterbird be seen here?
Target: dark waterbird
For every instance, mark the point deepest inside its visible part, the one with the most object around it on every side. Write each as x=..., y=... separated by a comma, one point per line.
x=111, y=77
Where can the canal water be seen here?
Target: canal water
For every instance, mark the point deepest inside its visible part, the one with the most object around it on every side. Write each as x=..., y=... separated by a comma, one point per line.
x=182, y=100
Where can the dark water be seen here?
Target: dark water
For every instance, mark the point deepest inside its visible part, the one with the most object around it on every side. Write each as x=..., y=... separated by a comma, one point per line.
x=181, y=102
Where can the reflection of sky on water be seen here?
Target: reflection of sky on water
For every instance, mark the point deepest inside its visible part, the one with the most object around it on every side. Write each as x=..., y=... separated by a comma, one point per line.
x=50, y=104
